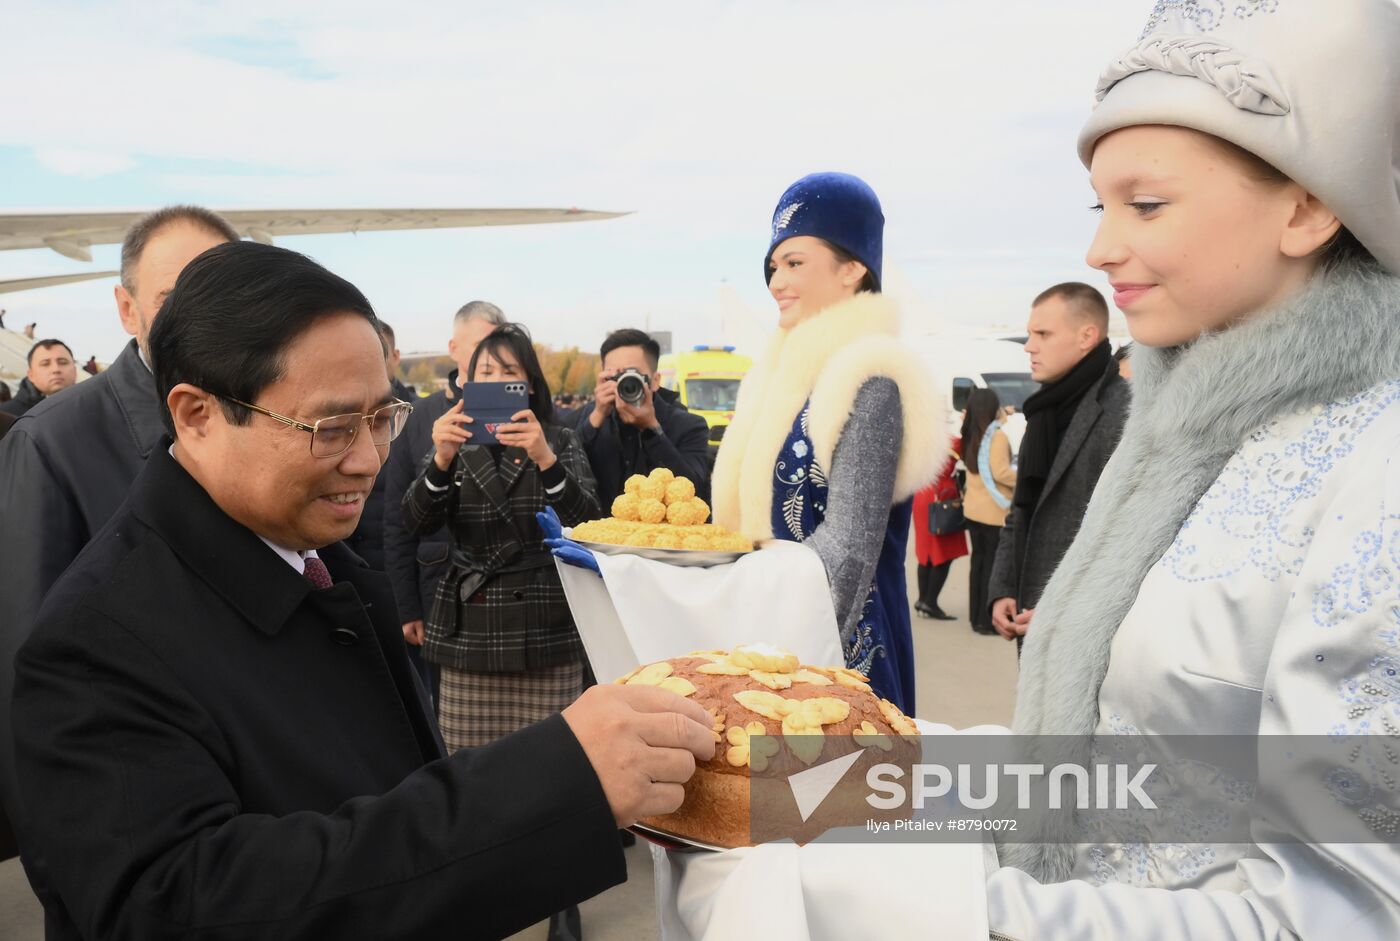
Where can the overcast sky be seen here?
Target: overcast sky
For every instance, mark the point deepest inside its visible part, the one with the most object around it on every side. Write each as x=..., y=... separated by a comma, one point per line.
x=962, y=114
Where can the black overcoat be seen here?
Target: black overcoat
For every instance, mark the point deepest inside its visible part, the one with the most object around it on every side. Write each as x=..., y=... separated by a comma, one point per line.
x=207, y=747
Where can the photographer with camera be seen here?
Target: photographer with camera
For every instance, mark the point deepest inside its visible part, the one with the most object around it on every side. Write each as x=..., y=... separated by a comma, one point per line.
x=634, y=426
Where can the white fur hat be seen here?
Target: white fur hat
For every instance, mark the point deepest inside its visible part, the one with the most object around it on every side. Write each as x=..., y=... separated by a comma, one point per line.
x=1311, y=86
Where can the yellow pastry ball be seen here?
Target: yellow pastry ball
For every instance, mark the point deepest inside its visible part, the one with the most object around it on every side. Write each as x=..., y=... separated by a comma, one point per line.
x=668, y=541
x=688, y=513
x=633, y=483
x=679, y=491
x=651, y=511
x=695, y=541
x=734, y=542
x=625, y=507
x=651, y=490
x=662, y=475
x=640, y=538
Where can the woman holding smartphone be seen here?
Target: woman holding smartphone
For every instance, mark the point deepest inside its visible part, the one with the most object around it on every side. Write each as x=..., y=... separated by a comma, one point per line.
x=500, y=627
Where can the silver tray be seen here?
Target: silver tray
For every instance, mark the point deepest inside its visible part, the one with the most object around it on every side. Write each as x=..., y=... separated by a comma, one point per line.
x=671, y=841
x=689, y=558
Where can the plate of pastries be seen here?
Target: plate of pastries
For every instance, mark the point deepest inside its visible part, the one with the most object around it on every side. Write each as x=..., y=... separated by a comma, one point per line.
x=659, y=517
x=773, y=717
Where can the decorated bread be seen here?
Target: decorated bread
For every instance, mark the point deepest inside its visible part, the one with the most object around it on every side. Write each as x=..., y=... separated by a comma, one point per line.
x=660, y=511
x=773, y=717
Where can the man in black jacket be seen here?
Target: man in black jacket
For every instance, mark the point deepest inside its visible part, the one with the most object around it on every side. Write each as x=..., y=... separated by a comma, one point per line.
x=51, y=369
x=218, y=731
x=67, y=465
x=368, y=538
x=623, y=439
x=416, y=563
x=1073, y=425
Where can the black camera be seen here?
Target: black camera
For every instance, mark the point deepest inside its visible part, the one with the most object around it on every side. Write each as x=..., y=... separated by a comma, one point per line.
x=631, y=385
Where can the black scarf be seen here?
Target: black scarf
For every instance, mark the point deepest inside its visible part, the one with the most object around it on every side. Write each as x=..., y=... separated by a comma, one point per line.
x=1048, y=415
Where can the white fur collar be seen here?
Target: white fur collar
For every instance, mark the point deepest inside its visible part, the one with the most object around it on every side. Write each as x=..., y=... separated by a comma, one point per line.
x=826, y=359
x=1192, y=408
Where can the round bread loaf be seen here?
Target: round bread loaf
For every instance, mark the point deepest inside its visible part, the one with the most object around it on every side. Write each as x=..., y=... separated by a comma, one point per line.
x=773, y=717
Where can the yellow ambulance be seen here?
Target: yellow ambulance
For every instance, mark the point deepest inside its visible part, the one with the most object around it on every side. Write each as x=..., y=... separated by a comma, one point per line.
x=707, y=380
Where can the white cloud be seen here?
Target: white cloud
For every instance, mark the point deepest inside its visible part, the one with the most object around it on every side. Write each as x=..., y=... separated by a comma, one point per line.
x=961, y=114
x=77, y=161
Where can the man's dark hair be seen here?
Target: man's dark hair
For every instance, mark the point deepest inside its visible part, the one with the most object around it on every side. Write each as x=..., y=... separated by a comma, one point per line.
x=1083, y=299
x=513, y=337
x=44, y=345
x=234, y=311
x=149, y=225
x=387, y=332
x=630, y=337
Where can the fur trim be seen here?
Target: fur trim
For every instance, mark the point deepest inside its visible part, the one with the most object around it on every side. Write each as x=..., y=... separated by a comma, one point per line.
x=825, y=358
x=925, y=420
x=1192, y=408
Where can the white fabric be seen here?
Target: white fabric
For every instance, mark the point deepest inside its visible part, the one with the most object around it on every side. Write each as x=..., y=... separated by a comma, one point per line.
x=641, y=611
x=824, y=890
x=1276, y=611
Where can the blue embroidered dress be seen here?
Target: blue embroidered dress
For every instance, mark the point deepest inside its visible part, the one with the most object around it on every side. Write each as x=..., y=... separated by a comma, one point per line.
x=882, y=645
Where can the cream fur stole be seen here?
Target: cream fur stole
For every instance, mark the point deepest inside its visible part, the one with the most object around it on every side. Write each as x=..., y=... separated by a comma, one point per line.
x=826, y=358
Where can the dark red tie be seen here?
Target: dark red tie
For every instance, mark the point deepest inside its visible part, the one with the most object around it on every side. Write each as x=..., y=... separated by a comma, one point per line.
x=316, y=572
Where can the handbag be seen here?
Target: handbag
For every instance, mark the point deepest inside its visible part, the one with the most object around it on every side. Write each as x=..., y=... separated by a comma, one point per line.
x=946, y=517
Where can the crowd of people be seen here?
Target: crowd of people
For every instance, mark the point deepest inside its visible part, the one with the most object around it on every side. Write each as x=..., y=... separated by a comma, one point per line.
x=284, y=650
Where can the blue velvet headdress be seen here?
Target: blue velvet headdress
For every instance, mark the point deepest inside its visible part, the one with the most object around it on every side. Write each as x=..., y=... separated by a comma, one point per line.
x=837, y=207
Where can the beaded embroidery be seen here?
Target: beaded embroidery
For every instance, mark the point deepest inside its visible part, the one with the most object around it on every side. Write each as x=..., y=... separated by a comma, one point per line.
x=1204, y=15
x=1257, y=513
x=784, y=218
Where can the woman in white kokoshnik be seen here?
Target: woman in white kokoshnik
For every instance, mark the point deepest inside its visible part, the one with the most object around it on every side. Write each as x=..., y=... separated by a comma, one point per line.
x=1238, y=571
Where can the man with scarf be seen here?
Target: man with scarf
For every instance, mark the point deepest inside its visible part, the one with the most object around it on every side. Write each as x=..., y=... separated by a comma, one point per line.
x=1073, y=425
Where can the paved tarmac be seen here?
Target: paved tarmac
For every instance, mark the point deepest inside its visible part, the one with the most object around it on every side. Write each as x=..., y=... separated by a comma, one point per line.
x=963, y=679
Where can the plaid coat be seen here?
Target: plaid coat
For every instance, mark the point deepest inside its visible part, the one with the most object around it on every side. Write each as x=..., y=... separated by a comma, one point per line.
x=500, y=607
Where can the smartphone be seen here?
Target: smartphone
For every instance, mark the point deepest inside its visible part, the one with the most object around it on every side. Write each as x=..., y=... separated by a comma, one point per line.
x=491, y=405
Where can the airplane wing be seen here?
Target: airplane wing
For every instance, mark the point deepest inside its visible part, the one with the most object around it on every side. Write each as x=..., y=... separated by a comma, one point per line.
x=26, y=284
x=72, y=234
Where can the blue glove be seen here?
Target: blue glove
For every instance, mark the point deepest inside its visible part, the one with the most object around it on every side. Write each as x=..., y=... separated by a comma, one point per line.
x=566, y=550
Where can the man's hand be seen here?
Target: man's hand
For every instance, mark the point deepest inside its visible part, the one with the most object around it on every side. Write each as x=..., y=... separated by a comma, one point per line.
x=604, y=398
x=1022, y=622
x=642, y=742
x=413, y=633
x=643, y=414
x=1004, y=618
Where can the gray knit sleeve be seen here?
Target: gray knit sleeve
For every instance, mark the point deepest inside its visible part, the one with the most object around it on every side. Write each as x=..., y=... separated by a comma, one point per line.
x=861, y=491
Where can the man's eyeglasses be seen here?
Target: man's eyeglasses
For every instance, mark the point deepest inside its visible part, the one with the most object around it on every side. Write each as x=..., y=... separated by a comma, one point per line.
x=333, y=436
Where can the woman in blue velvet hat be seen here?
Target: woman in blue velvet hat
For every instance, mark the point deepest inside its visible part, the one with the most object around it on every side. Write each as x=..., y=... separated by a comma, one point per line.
x=837, y=425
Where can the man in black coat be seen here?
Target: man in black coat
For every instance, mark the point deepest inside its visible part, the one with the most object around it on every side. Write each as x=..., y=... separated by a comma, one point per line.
x=1073, y=425
x=218, y=731
x=368, y=538
x=67, y=465
x=417, y=563
x=622, y=439
x=51, y=369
